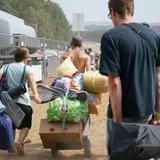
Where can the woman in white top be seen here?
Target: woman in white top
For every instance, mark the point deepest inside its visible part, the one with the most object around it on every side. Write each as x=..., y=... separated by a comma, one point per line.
x=14, y=74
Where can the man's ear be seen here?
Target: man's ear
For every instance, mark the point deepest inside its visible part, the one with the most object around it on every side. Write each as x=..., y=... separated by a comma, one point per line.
x=114, y=13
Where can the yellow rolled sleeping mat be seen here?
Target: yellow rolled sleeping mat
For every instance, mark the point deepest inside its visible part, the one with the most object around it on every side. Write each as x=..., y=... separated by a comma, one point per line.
x=94, y=82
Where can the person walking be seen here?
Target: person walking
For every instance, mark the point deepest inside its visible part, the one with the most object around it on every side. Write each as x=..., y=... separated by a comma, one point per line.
x=14, y=74
x=93, y=58
x=132, y=66
x=80, y=59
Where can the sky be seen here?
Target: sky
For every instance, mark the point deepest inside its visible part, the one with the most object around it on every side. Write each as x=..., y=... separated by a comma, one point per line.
x=97, y=10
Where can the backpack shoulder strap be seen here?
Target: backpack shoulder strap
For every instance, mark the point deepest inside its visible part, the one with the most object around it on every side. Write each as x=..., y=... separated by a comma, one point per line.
x=24, y=69
x=142, y=35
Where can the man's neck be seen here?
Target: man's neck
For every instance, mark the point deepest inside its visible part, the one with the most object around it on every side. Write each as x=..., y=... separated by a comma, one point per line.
x=127, y=19
x=74, y=52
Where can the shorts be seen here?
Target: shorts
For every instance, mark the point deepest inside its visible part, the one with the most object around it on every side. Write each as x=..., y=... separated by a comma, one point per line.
x=27, y=121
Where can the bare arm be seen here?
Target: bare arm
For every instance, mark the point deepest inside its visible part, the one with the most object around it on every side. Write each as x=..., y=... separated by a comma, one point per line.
x=158, y=90
x=33, y=86
x=115, y=93
x=156, y=118
x=88, y=64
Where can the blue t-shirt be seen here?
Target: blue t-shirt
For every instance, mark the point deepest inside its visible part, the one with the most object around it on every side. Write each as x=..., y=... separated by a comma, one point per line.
x=125, y=54
x=14, y=76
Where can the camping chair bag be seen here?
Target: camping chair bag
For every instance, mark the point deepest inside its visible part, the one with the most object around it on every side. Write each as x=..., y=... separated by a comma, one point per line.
x=12, y=109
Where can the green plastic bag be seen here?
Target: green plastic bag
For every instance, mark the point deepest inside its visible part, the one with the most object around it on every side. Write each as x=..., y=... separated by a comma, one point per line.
x=76, y=110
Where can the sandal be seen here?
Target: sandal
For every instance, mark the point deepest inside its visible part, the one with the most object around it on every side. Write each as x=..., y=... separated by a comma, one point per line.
x=12, y=151
x=27, y=141
x=19, y=148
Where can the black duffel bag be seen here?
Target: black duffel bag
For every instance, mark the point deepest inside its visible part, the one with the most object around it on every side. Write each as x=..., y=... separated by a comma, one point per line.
x=135, y=141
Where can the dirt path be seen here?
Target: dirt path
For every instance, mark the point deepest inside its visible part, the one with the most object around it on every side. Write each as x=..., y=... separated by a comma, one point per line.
x=35, y=150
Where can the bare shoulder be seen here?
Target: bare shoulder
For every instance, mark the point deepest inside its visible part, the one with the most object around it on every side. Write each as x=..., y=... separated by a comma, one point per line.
x=83, y=55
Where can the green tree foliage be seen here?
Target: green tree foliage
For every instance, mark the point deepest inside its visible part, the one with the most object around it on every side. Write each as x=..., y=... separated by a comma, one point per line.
x=44, y=15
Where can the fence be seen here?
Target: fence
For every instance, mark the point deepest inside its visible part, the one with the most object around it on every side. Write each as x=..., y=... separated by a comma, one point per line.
x=44, y=52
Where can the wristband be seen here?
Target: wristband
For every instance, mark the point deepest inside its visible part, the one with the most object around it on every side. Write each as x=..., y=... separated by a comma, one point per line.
x=157, y=114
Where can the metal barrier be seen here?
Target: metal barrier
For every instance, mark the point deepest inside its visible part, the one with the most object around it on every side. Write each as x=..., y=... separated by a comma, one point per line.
x=44, y=52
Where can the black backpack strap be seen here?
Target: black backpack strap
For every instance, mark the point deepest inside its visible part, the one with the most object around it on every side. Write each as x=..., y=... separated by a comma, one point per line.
x=23, y=74
x=141, y=34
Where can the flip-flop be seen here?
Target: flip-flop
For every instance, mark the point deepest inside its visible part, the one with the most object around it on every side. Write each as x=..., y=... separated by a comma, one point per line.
x=12, y=151
x=27, y=141
x=19, y=148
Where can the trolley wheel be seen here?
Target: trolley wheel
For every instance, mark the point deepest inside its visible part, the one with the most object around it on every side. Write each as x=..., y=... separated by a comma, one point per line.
x=54, y=151
x=86, y=147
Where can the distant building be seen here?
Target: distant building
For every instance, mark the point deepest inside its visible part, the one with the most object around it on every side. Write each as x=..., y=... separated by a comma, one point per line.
x=78, y=22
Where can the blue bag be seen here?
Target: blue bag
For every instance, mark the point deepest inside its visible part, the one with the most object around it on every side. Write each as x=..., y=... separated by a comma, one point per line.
x=6, y=132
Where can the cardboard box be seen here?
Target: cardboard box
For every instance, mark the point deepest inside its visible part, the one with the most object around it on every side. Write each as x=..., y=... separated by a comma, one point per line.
x=52, y=135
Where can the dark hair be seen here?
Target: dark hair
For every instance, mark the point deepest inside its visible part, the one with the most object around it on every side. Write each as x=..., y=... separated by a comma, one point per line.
x=21, y=53
x=122, y=7
x=76, y=41
x=90, y=49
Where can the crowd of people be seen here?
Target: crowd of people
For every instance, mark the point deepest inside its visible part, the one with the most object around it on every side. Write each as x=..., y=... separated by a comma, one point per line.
x=130, y=62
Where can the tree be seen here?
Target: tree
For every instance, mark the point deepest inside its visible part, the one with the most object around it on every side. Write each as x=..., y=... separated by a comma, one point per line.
x=46, y=15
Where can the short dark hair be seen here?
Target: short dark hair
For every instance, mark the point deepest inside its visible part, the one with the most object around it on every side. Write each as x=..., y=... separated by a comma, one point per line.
x=90, y=49
x=122, y=7
x=76, y=41
x=21, y=53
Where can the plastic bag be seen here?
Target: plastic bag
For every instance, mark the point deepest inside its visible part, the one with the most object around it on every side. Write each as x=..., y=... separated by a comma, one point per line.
x=12, y=109
x=74, y=82
x=2, y=107
x=66, y=68
x=76, y=110
x=77, y=82
x=62, y=82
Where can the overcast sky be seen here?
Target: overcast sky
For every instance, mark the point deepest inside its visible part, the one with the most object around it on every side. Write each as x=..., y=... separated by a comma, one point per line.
x=97, y=10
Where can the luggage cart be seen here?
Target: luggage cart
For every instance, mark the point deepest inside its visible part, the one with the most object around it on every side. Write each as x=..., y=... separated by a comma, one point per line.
x=74, y=136
x=63, y=135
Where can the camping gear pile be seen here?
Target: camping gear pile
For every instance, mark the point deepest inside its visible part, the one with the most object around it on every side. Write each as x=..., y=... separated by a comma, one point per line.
x=72, y=92
x=67, y=123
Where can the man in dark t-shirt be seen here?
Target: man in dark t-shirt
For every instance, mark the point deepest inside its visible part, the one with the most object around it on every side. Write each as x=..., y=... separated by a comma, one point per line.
x=132, y=67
